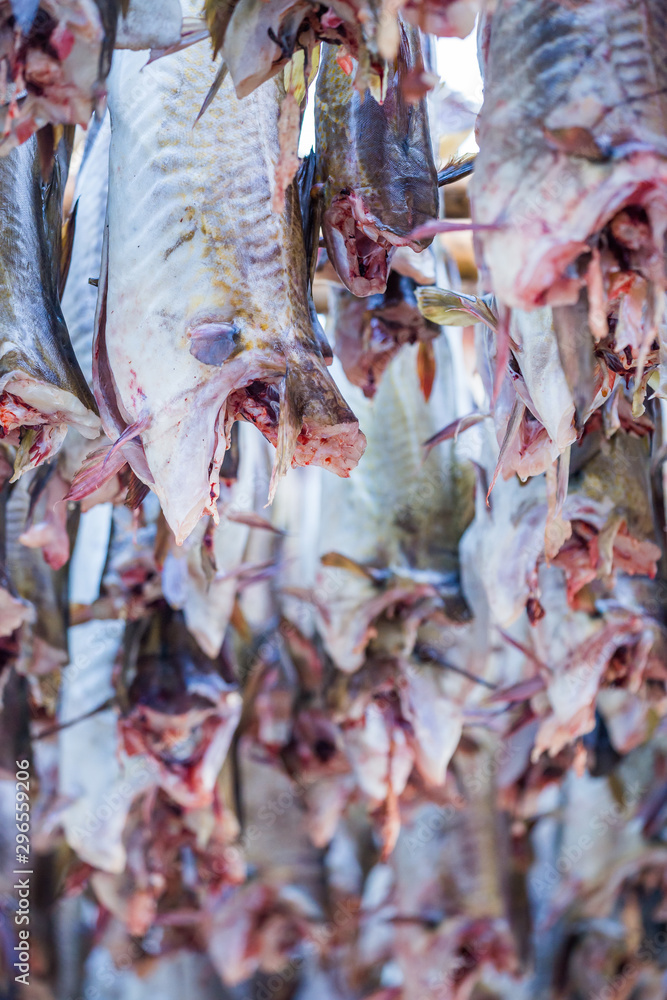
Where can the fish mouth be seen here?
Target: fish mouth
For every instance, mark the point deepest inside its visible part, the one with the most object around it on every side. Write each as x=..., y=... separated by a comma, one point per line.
x=359, y=247
x=330, y=439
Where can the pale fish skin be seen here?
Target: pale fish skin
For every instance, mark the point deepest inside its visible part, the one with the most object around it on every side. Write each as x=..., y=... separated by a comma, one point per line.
x=198, y=264
x=207, y=604
x=549, y=397
x=41, y=386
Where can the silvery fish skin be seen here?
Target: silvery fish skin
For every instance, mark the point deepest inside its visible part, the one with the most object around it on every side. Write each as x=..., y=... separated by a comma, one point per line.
x=149, y=24
x=237, y=340
x=42, y=390
x=43, y=645
x=56, y=72
x=376, y=164
x=369, y=332
x=572, y=131
x=13, y=610
x=90, y=196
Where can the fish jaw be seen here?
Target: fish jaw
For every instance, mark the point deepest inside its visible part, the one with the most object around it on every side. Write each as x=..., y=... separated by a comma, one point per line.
x=359, y=246
x=185, y=442
x=261, y=37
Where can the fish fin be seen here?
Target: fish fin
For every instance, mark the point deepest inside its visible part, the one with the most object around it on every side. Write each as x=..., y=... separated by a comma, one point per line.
x=94, y=473
x=447, y=308
x=290, y=421
x=193, y=30
x=213, y=90
x=212, y=343
x=427, y=230
x=513, y=425
x=452, y=431
x=229, y=470
x=66, y=245
x=250, y=518
x=131, y=432
x=218, y=14
x=577, y=354
x=136, y=491
x=557, y=529
x=502, y=351
x=426, y=367
x=310, y=209
x=300, y=72
x=457, y=168
x=37, y=486
x=239, y=622
x=337, y=560
x=46, y=148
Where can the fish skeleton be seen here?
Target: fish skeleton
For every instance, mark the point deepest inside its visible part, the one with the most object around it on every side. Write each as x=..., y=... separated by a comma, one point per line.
x=203, y=315
x=375, y=163
x=42, y=389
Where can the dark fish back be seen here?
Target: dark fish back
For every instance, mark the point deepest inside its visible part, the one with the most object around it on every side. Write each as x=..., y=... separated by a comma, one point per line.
x=33, y=332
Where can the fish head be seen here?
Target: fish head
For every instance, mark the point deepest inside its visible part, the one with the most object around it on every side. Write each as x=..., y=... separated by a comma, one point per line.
x=375, y=165
x=370, y=332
